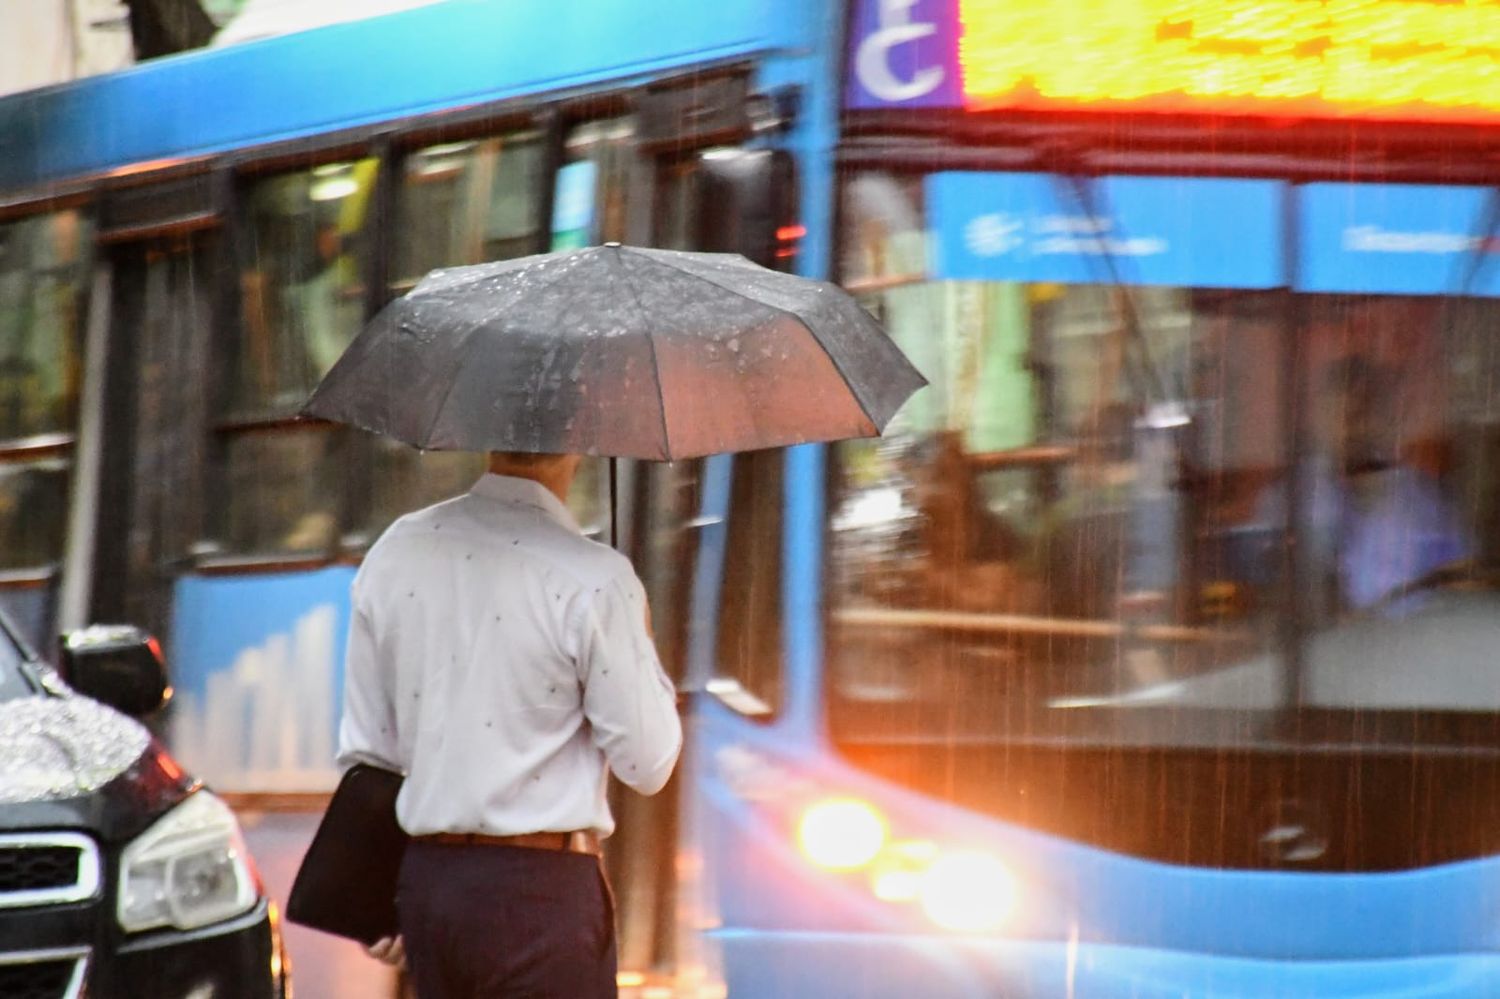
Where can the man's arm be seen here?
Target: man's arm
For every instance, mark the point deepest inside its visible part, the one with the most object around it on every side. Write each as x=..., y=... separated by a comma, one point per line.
x=630, y=704
x=367, y=730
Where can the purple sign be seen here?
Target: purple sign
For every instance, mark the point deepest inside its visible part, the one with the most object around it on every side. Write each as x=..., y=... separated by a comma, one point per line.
x=904, y=54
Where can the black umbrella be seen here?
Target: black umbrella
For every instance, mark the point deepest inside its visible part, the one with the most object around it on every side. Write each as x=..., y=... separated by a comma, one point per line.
x=618, y=351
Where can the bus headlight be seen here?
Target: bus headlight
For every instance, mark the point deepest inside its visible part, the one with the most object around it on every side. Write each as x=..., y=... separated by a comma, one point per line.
x=187, y=870
x=968, y=892
x=965, y=891
x=841, y=834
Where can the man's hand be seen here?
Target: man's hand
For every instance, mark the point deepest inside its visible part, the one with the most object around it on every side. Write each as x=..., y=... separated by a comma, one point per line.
x=389, y=950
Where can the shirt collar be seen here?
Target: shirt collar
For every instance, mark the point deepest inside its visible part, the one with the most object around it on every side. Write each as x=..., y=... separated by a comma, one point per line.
x=524, y=492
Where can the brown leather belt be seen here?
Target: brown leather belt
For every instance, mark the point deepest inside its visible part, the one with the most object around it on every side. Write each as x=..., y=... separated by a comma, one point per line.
x=582, y=841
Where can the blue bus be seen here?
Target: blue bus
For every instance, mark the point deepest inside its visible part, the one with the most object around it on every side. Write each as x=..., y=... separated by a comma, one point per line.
x=1151, y=651
x=186, y=246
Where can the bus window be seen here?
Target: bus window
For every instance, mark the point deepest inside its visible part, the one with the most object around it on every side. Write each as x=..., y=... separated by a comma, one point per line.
x=1064, y=523
x=1399, y=520
x=468, y=202
x=607, y=147
x=44, y=261
x=460, y=203
x=302, y=248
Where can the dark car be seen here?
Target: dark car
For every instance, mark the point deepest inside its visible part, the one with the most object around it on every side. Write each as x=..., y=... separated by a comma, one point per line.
x=120, y=875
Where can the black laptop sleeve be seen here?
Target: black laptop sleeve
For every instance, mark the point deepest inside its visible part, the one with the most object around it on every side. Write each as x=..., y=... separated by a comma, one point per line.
x=347, y=882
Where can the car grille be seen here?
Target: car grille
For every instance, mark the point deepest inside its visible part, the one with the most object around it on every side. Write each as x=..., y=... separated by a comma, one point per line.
x=30, y=868
x=43, y=974
x=47, y=868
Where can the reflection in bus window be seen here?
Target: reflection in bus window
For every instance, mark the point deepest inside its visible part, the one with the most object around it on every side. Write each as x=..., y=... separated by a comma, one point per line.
x=33, y=508
x=1064, y=516
x=1085, y=516
x=608, y=149
x=44, y=262
x=468, y=202
x=302, y=250
x=285, y=491
x=1399, y=515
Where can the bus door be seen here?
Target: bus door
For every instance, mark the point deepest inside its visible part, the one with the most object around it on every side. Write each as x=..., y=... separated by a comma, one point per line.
x=143, y=498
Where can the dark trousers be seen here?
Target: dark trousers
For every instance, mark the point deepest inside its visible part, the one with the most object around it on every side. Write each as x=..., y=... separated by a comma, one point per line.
x=503, y=922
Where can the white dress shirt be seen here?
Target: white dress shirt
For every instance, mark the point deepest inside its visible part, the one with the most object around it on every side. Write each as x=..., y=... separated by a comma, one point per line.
x=502, y=661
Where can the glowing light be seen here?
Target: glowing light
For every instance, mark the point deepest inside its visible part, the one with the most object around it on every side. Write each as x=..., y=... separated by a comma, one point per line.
x=968, y=892
x=896, y=885
x=333, y=188
x=630, y=979
x=841, y=834
x=1394, y=59
x=897, y=875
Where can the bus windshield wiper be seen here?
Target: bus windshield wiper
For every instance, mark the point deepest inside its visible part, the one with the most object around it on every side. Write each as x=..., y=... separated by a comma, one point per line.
x=1140, y=368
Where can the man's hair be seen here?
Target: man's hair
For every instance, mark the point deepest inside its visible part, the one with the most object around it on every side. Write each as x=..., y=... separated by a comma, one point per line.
x=523, y=458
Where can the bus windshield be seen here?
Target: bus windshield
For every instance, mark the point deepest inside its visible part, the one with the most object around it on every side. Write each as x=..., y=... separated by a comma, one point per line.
x=1081, y=531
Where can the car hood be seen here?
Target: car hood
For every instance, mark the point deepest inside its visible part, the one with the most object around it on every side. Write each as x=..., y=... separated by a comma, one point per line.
x=70, y=762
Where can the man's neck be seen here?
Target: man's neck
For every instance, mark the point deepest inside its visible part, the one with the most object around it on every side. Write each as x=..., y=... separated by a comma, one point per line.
x=556, y=478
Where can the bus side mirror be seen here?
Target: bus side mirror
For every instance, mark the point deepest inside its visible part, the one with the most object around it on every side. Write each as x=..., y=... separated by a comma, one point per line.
x=747, y=204
x=117, y=664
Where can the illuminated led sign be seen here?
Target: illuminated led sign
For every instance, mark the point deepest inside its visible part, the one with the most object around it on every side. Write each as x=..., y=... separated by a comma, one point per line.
x=1414, y=60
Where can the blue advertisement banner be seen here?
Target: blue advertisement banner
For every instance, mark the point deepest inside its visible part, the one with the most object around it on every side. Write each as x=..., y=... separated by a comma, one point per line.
x=1185, y=232
x=258, y=667
x=1395, y=239
x=904, y=53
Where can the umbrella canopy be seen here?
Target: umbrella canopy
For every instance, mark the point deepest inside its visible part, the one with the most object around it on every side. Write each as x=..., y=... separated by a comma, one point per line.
x=618, y=351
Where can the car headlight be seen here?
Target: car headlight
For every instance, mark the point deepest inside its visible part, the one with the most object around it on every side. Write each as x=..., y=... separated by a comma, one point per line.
x=189, y=869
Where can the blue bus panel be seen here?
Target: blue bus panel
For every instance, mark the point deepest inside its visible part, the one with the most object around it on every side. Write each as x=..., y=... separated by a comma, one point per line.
x=1407, y=239
x=452, y=54
x=1387, y=239
x=1184, y=232
x=257, y=663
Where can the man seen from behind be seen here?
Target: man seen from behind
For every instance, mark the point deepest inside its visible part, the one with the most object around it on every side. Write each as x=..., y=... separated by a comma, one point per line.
x=504, y=663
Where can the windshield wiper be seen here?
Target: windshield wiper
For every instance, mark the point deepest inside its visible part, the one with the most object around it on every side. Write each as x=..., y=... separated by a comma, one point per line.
x=1141, y=368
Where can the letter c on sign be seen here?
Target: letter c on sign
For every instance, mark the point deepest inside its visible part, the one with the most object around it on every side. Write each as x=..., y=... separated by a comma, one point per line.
x=872, y=61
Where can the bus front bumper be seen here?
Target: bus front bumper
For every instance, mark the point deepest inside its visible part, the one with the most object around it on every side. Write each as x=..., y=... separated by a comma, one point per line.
x=759, y=964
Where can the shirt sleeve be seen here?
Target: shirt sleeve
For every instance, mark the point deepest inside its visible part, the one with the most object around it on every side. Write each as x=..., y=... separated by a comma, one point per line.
x=367, y=730
x=627, y=698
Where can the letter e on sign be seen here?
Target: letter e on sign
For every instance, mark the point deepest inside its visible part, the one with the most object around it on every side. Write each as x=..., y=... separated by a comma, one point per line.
x=872, y=59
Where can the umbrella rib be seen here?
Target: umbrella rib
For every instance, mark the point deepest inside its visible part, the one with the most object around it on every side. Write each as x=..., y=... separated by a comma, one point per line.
x=805, y=324
x=661, y=398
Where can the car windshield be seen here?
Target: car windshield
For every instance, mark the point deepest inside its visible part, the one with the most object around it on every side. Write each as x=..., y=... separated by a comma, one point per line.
x=1080, y=531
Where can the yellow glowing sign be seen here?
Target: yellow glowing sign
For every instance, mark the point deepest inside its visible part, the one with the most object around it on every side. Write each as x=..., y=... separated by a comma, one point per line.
x=1421, y=60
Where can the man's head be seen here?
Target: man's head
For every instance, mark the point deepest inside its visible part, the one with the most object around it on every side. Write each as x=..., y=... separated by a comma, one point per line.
x=555, y=471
